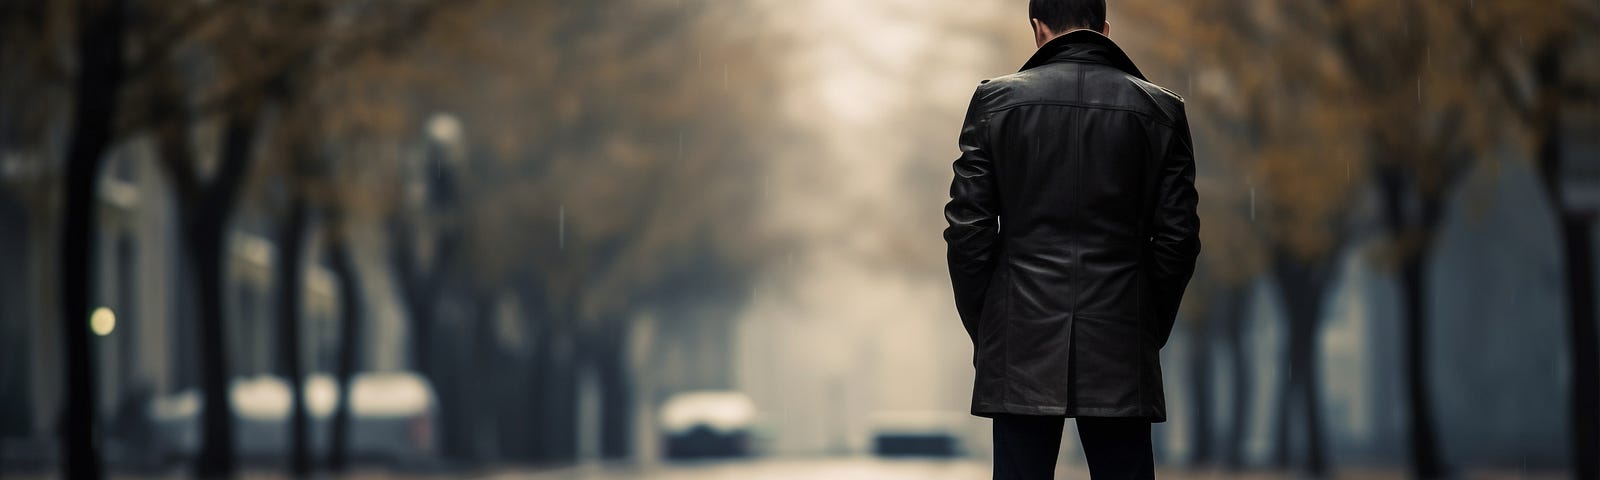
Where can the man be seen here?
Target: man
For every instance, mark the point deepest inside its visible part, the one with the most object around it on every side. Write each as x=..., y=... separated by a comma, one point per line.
x=1072, y=236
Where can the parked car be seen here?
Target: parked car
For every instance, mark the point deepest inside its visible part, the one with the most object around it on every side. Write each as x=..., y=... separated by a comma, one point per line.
x=707, y=424
x=391, y=418
x=916, y=434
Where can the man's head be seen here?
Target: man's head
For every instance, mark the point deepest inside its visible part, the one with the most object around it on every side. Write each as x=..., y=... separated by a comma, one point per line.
x=1053, y=18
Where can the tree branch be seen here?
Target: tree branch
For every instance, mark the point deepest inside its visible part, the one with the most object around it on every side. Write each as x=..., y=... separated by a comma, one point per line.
x=177, y=161
x=158, y=49
x=1491, y=60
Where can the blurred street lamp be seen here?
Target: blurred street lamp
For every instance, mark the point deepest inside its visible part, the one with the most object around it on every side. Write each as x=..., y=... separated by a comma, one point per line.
x=445, y=152
x=102, y=321
x=444, y=128
x=447, y=139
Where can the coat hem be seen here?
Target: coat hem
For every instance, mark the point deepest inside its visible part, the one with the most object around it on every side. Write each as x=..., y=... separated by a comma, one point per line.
x=990, y=410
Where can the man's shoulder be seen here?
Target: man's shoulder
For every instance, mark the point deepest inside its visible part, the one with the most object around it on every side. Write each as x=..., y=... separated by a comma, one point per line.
x=1167, y=100
x=1022, y=83
x=997, y=91
x=1107, y=86
x=1003, y=81
x=1158, y=90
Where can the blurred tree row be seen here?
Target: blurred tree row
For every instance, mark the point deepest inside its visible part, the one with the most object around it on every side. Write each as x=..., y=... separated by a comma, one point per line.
x=1315, y=103
x=586, y=159
x=172, y=70
x=615, y=153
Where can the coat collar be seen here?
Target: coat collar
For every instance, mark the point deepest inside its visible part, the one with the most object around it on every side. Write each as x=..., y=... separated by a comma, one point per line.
x=1083, y=46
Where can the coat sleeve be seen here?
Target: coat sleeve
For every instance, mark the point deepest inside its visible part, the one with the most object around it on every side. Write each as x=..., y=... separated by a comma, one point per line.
x=1175, y=233
x=973, y=215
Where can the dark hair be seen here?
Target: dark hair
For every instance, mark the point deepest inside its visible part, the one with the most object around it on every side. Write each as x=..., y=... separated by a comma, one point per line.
x=1063, y=15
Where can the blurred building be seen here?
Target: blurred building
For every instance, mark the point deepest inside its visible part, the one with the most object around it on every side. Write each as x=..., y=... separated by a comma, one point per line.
x=147, y=348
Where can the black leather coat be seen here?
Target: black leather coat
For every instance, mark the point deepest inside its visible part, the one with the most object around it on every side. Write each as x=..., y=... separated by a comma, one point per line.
x=1073, y=233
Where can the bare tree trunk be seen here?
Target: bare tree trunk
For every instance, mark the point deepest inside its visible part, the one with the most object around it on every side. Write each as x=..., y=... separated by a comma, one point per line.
x=1200, y=379
x=291, y=287
x=81, y=457
x=419, y=294
x=97, y=88
x=1578, y=242
x=484, y=358
x=1577, y=245
x=1302, y=285
x=216, y=420
x=79, y=444
x=538, y=403
x=546, y=398
x=1425, y=460
x=206, y=225
x=617, y=407
x=1239, y=354
x=349, y=345
x=1311, y=389
x=454, y=431
x=561, y=383
x=1281, y=426
x=423, y=291
x=1223, y=320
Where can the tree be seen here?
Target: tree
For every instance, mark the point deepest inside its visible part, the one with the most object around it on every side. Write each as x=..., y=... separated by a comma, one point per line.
x=610, y=148
x=319, y=123
x=261, y=65
x=295, y=145
x=98, y=86
x=1415, y=148
x=1418, y=144
x=1264, y=79
x=1533, y=87
x=291, y=272
x=1421, y=149
x=207, y=207
x=1216, y=310
x=35, y=96
x=105, y=76
x=350, y=331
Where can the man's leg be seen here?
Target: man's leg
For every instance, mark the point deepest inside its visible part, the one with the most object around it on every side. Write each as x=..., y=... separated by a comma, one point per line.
x=1117, y=448
x=1025, y=446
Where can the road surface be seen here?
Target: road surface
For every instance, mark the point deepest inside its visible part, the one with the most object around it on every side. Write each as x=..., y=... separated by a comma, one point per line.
x=828, y=468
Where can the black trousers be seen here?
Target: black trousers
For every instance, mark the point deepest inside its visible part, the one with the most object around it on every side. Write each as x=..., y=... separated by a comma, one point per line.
x=1026, y=446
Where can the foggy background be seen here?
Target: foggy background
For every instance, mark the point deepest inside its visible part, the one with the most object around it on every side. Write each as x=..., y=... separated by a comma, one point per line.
x=700, y=238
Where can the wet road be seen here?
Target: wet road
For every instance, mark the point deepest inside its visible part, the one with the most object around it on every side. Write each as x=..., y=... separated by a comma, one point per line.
x=773, y=469
x=864, y=468
x=827, y=468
